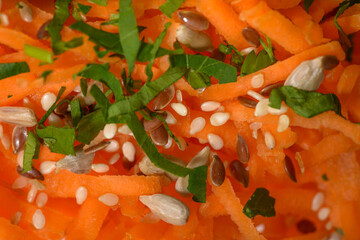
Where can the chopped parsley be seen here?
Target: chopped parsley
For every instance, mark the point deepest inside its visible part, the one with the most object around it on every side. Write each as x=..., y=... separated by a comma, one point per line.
x=324, y=177
x=260, y=203
x=307, y=4
x=31, y=151
x=170, y=6
x=12, y=69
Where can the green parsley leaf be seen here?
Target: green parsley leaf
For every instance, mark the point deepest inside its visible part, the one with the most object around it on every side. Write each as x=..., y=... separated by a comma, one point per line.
x=171, y=6
x=101, y=73
x=268, y=48
x=59, y=140
x=84, y=86
x=343, y=38
x=225, y=73
x=225, y=49
x=197, y=80
x=339, y=231
x=154, y=51
x=99, y=2
x=99, y=97
x=304, y=103
x=149, y=91
x=31, y=151
x=55, y=26
x=39, y=53
x=12, y=69
x=100, y=53
x=197, y=184
x=45, y=74
x=52, y=108
x=84, y=8
x=76, y=112
x=90, y=125
x=9, y=96
x=150, y=149
x=325, y=177
x=307, y=4
x=128, y=32
x=260, y=203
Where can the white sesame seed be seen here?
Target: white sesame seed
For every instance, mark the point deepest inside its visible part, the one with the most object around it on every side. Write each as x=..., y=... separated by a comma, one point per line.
x=32, y=194
x=110, y=130
x=77, y=89
x=4, y=20
x=329, y=225
x=109, y=199
x=274, y=111
x=255, y=134
x=26, y=12
x=200, y=90
x=179, y=97
x=1, y=131
x=47, y=167
x=41, y=199
x=100, y=167
x=210, y=106
x=38, y=219
x=197, y=124
x=261, y=108
x=180, y=109
x=20, y=158
x=269, y=140
x=246, y=51
x=20, y=182
x=113, y=146
x=257, y=81
x=202, y=141
x=81, y=195
x=219, y=118
x=335, y=236
x=169, y=143
x=124, y=129
x=15, y=219
x=255, y=125
x=260, y=228
x=215, y=141
x=128, y=150
x=37, y=184
x=47, y=100
x=55, y=120
x=300, y=162
x=323, y=213
x=5, y=140
x=283, y=123
x=170, y=119
x=114, y=159
x=317, y=201
x=255, y=95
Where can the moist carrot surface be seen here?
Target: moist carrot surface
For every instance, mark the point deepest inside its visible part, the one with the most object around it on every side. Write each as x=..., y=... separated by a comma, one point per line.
x=179, y=119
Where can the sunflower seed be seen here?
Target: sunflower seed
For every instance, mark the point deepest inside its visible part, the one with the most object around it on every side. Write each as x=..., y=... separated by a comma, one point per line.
x=21, y=116
x=247, y=102
x=96, y=148
x=267, y=90
x=251, y=36
x=242, y=149
x=42, y=32
x=289, y=168
x=152, y=124
x=159, y=135
x=80, y=163
x=329, y=62
x=168, y=209
x=217, y=171
x=19, y=136
x=197, y=41
x=239, y=173
x=164, y=98
x=193, y=20
x=32, y=174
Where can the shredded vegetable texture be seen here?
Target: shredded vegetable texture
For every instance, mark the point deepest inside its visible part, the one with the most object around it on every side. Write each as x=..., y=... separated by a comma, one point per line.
x=106, y=85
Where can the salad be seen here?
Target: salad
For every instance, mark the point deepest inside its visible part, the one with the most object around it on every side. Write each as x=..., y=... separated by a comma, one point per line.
x=179, y=119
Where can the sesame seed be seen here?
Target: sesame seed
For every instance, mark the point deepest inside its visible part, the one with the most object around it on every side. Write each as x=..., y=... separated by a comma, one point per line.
x=246, y=51
x=32, y=194
x=255, y=95
x=100, y=167
x=109, y=199
x=81, y=195
x=180, y=109
x=179, y=97
x=110, y=130
x=47, y=100
x=15, y=219
x=55, y=120
x=169, y=143
x=183, y=143
x=274, y=111
x=38, y=219
x=197, y=124
x=261, y=108
x=5, y=140
x=260, y=228
x=329, y=225
x=219, y=118
x=202, y=141
x=300, y=162
x=41, y=199
x=1, y=131
x=170, y=119
x=114, y=159
x=20, y=182
x=210, y=106
x=215, y=141
x=323, y=213
x=4, y=20
x=283, y=123
x=113, y=146
x=77, y=89
x=47, y=167
x=26, y=12
x=255, y=125
x=129, y=151
x=20, y=158
x=257, y=81
x=124, y=129
x=317, y=201
x=334, y=236
x=269, y=140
